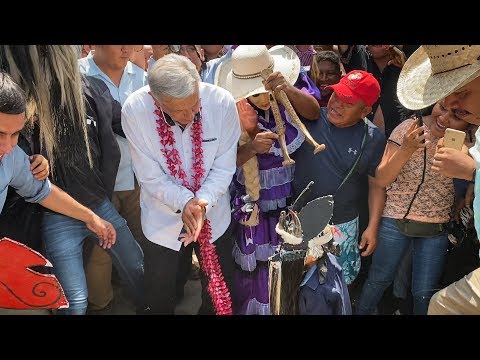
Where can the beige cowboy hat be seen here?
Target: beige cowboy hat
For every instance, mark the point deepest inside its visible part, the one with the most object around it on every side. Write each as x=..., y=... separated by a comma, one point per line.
x=241, y=73
x=433, y=72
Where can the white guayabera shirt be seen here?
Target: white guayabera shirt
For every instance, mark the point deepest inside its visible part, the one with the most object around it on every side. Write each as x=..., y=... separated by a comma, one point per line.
x=162, y=197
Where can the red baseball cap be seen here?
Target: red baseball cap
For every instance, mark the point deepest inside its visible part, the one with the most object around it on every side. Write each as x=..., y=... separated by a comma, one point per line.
x=357, y=85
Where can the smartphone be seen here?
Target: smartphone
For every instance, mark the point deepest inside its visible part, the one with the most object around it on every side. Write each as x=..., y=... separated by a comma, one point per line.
x=420, y=124
x=454, y=139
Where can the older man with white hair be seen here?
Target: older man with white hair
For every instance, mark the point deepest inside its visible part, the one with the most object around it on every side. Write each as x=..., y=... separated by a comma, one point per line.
x=183, y=137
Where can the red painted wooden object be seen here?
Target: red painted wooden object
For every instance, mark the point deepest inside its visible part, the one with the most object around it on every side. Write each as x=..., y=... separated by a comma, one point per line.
x=20, y=286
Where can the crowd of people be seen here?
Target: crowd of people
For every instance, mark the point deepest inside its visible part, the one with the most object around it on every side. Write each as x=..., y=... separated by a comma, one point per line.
x=142, y=156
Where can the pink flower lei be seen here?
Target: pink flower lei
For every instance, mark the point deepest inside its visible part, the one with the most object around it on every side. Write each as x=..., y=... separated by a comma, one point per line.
x=208, y=256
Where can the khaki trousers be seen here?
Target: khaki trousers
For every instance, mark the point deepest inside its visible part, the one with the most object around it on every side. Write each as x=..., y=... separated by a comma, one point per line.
x=98, y=268
x=460, y=298
x=98, y=271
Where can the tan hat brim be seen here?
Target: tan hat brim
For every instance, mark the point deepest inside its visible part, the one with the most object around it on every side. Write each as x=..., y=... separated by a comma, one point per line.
x=285, y=61
x=418, y=88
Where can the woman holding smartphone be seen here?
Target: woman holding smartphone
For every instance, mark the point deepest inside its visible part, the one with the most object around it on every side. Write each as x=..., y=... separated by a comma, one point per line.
x=418, y=203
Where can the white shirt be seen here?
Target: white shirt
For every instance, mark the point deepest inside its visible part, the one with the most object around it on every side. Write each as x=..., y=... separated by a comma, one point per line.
x=133, y=78
x=162, y=197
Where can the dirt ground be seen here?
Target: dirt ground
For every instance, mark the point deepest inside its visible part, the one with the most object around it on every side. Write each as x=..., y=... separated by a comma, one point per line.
x=121, y=306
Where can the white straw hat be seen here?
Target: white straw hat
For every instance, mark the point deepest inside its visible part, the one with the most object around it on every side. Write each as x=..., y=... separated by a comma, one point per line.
x=241, y=73
x=433, y=72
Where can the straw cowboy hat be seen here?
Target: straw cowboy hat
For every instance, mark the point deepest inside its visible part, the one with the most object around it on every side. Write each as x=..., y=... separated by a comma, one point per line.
x=241, y=73
x=433, y=72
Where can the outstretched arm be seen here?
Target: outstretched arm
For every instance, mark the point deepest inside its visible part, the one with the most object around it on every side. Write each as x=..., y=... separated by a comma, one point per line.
x=304, y=104
x=59, y=201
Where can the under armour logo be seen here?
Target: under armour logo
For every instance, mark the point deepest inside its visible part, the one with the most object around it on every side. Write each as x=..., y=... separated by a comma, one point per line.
x=352, y=151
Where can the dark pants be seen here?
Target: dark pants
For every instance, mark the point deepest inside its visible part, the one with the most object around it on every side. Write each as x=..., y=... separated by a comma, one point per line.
x=164, y=271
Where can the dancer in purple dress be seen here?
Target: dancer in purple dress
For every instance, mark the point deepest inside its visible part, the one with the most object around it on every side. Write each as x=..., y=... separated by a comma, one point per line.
x=262, y=184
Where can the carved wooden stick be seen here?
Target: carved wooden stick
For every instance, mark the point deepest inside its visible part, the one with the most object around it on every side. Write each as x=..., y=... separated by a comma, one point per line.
x=293, y=115
x=287, y=160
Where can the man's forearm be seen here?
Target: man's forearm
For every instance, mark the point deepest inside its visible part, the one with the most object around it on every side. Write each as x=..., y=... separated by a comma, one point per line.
x=304, y=104
x=59, y=201
x=376, y=202
x=244, y=153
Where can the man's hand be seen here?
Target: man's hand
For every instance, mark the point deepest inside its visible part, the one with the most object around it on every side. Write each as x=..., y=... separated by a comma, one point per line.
x=248, y=116
x=440, y=145
x=261, y=144
x=263, y=141
x=104, y=230
x=193, y=216
x=453, y=163
x=276, y=82
x=369, y=238
x=39, y=167
x=188, y=217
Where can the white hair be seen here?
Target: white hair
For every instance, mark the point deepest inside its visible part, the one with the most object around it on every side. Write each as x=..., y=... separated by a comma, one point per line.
x=173, y=76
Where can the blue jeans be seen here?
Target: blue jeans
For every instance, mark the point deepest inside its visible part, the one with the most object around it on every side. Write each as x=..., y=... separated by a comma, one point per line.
x=403, y=281
x=64, y=236
x=428, y=259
